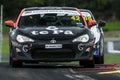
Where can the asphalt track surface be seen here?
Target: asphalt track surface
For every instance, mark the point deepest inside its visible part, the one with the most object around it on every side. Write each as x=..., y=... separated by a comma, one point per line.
x=38, y=72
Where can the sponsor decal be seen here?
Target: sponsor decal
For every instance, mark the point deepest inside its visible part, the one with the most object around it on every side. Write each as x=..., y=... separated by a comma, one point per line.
x=53, y=41
x=69, y=12
x=54, y=29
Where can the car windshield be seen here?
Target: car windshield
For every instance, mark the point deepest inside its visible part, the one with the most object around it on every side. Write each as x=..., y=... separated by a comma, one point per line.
x=38, y=19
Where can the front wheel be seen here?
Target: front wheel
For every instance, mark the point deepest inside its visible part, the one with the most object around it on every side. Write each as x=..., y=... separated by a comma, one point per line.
x=87, y=63
x=15, y=63
x=99, y=59
x=12, y=62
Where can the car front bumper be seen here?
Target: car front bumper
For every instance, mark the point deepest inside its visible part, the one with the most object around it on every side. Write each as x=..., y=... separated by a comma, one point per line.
x=38, y=52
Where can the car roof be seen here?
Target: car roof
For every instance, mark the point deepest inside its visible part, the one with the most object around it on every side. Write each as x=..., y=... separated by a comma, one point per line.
x=50, y=8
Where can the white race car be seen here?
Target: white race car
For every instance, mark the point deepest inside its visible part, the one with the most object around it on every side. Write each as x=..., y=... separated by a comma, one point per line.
x=98, y=34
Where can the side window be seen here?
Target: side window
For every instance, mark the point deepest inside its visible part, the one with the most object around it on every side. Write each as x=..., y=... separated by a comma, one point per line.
x=87, y=16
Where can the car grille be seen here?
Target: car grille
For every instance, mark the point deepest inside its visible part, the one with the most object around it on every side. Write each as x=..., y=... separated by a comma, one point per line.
x=53, y=54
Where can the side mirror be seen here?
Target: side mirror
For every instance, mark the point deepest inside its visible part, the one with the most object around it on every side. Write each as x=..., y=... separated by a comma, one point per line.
x=91, y=23
x=101, y=23
x=9, y=23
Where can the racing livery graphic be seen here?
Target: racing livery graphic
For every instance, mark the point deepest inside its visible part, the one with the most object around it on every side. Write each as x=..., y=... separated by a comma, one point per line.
x=45, y=34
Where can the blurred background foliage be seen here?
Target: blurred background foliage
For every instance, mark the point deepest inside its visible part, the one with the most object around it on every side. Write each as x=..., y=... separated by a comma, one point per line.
x=103, y=9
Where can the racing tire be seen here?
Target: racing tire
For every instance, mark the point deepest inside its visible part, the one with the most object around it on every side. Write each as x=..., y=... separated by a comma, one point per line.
x=100, y=58
x=15, y=63
x=87, y=63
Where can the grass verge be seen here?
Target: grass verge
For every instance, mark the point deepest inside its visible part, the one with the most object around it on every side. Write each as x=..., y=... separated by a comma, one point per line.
x=112, y=26
x=5, y=46
x=112, y=58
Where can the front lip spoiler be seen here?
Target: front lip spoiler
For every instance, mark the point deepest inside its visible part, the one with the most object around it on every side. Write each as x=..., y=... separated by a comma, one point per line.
x=55, y=60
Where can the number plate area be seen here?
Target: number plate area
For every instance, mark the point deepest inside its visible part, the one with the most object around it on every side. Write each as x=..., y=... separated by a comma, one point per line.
x=53, y=46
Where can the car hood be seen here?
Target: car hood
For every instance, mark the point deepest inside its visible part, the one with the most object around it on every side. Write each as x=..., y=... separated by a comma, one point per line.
x=58, y=33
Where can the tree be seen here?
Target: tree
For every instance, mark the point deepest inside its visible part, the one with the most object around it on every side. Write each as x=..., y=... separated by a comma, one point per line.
x=102, y=9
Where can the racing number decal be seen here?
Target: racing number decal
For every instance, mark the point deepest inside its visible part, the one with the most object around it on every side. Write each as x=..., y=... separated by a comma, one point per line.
x=30, y=17
x=87, y=18
x=77, y=18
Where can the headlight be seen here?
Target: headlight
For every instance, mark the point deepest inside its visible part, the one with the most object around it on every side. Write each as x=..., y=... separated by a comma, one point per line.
x=83, y=38
x=21, y=39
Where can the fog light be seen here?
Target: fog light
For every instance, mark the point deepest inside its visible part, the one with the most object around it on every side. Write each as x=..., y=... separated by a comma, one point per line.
x=18, y=50
x=88, y=50
x=94, y=46
x=14, y=59
x=91, y=58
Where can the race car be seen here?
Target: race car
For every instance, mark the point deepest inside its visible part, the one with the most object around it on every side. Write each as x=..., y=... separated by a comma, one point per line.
x=50, y=34
x=98, y=34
